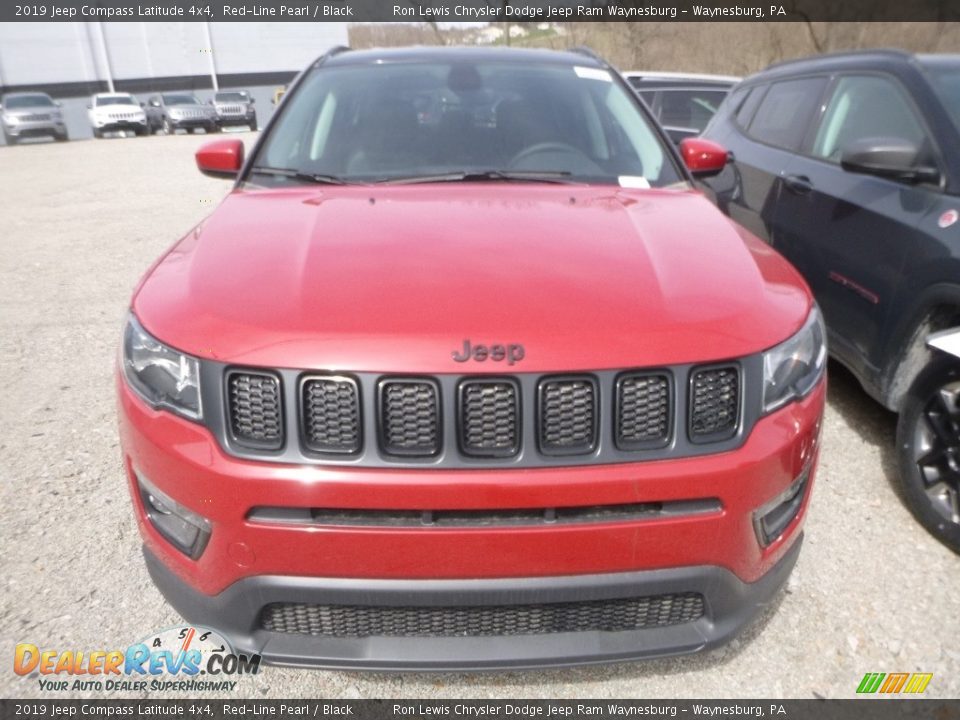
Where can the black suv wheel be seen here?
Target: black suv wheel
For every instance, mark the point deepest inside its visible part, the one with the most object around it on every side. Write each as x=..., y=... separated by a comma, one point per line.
x=928, y=442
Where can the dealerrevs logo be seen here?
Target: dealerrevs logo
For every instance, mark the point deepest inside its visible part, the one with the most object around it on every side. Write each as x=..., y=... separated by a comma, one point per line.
x=193, y=659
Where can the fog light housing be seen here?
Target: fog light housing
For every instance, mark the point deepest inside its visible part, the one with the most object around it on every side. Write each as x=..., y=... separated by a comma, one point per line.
x=180, y=526
x=771, y=519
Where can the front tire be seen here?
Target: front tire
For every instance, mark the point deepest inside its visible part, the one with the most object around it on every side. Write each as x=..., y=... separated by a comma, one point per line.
x=928, y=449
x=167, y=127
x=9, y=139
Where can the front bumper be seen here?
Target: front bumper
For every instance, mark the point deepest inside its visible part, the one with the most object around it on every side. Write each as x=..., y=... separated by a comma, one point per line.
x=40, y=128
x=188, y=123
x=225, y=120
x=115, y=125
x=730, y=605
x=250, y=562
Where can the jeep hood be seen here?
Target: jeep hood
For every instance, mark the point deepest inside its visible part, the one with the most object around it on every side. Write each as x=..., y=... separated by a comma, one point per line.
x=395, y=278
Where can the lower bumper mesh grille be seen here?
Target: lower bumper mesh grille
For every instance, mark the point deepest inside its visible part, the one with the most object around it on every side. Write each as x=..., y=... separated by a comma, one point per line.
x=616, y=615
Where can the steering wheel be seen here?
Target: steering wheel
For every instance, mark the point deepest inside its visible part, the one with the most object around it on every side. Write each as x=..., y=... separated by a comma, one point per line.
x=542, y=149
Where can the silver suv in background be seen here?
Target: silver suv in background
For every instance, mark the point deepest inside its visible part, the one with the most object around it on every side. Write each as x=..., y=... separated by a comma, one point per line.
x=234, y=108
x=116, y=111
x=31, y=114
x=180, y=111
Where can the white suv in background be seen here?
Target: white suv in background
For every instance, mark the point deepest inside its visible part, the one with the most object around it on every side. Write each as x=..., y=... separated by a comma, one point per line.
x=116, y=111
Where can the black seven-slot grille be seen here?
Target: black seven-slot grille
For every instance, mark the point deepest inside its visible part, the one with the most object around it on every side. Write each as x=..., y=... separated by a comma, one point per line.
x=405, y=417
x=359, y=621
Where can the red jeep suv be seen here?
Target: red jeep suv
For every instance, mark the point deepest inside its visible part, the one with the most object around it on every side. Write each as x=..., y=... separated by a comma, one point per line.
x=464, y=373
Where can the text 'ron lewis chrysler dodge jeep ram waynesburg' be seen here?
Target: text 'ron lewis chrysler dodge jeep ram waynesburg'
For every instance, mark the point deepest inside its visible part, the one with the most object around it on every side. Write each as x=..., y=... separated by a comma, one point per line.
x=490, y=386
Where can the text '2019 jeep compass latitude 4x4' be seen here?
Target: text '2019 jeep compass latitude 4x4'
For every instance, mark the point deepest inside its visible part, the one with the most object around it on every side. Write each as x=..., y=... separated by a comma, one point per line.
x=487, y=387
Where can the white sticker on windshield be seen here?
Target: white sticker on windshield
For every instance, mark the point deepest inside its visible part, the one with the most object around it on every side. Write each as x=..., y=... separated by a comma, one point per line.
x=592, y=73
x=634, y=181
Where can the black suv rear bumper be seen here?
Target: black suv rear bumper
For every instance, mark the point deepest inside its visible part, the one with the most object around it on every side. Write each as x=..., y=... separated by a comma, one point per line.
x=729, y=605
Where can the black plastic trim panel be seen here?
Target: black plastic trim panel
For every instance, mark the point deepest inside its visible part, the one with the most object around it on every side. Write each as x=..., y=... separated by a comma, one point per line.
x=730, y=605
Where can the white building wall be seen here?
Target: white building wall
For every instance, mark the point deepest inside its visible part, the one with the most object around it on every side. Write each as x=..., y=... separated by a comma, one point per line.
x=54, y=53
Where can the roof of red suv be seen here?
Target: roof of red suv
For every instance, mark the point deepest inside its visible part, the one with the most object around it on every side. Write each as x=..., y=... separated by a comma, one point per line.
x=344, y=56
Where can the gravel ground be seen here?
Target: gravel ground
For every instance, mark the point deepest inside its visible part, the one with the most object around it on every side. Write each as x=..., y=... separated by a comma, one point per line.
x=82, y=221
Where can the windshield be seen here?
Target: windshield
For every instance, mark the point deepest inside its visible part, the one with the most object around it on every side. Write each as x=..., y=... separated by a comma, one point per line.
x=382, y=122
x=27, y=101
x=231, y=97
x=180, y=100
x=945, y=77
x=117, y=100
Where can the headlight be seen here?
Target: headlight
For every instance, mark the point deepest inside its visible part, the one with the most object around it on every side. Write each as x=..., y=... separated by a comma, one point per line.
x=159, y=374
x=792, y=368
x=12, y=119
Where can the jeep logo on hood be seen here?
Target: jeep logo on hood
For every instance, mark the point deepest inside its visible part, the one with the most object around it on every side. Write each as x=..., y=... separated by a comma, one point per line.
x=512, y=353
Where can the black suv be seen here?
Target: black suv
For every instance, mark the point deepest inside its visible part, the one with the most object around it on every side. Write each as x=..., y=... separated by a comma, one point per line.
x=849, y=165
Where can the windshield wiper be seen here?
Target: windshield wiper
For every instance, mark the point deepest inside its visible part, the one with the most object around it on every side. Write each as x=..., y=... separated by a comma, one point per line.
x=300, y=175
x=550, y=176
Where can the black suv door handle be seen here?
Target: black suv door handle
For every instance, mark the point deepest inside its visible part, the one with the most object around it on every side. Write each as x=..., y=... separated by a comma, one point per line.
x=799, y=184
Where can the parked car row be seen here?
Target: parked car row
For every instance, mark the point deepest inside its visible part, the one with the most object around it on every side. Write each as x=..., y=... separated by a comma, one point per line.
x=34, y=114
x=169, y=112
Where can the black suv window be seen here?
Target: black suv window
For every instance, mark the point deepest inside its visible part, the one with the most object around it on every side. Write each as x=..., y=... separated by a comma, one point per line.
x=867, y=106
x=785, y=112
x=746, y=105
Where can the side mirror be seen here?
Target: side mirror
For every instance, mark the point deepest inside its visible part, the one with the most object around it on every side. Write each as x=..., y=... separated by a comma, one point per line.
x=253, y=101
x=892, y=158
x=220, y=158
x=703, y=158
x=58, y=104
x=89, y=106
x=143, y=104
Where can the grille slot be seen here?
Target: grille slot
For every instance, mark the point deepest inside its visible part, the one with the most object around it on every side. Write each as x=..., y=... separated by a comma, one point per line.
x=330, y=415
x=255, y=410
x=350, y=621
x=643, y=415
x=489, y=414
x=567, y=415
x=714, y=403
x=410, y=417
